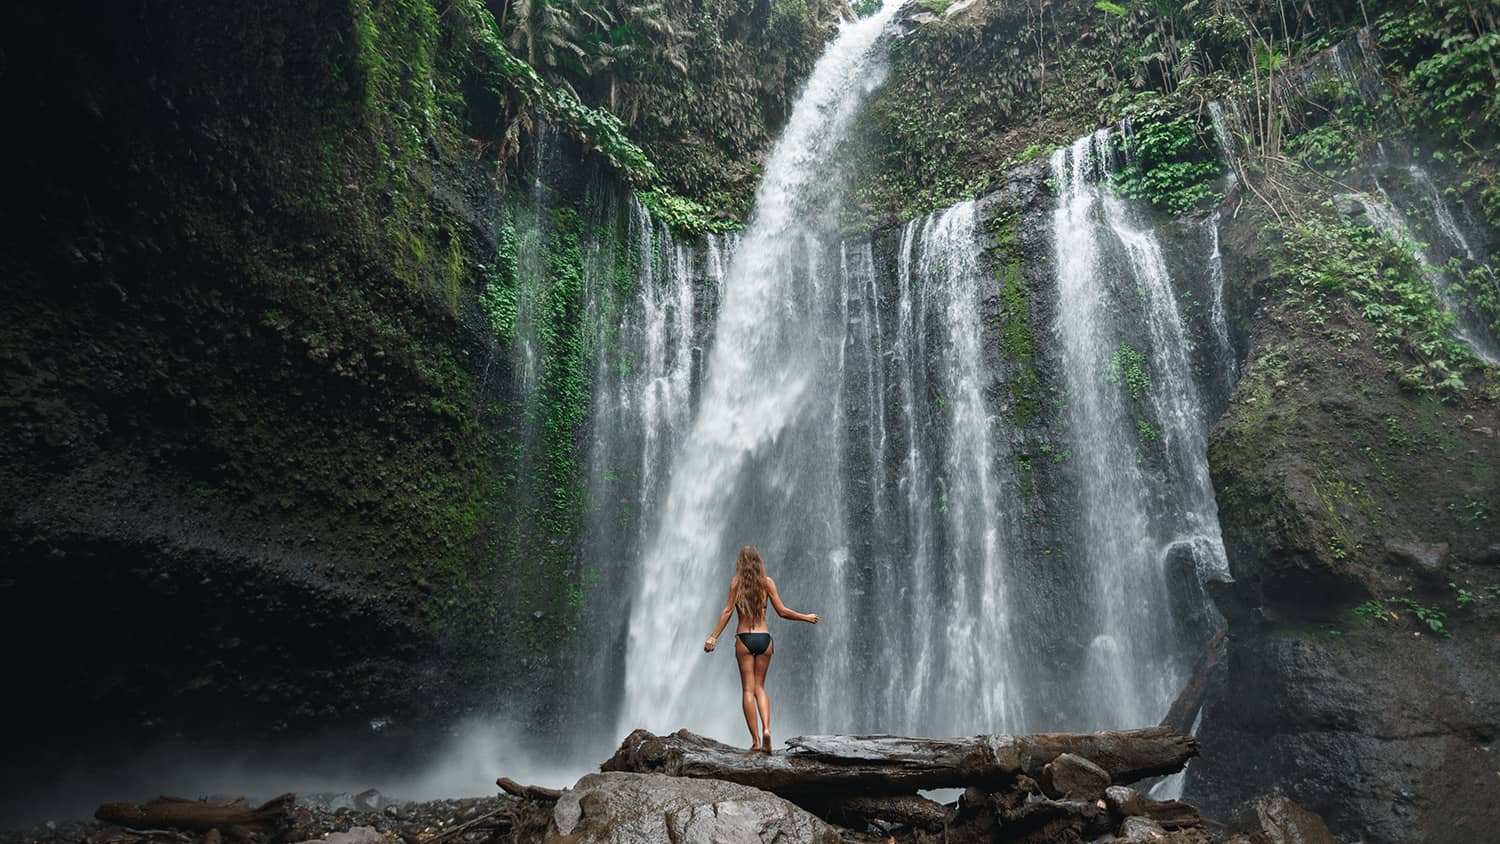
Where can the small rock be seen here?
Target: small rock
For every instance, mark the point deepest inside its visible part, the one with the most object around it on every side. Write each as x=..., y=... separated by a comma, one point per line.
x=1426, y=559
x=1281, y=821
x=538, y=615
x=1140, y=830
x=355, y=835
x=1070, y=775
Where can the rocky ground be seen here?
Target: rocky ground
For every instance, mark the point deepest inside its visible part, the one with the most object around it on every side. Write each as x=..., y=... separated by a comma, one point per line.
x=664, y=789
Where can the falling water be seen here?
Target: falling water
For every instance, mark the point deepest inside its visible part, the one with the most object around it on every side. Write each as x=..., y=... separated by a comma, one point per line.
x=1225, y=141
x=1130, y=432
x=760, y=464
x=1388, y=219
x=833, y=402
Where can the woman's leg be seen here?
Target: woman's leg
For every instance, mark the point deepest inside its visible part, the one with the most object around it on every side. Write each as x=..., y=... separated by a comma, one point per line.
x=763, y=664
x=747, y=689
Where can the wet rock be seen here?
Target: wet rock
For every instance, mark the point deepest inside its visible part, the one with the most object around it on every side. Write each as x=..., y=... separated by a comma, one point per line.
x=355, y=835
x=1423, y=558
x=622, y=807
x=1281, y=821
x=1140, y=830
x=1070, y=775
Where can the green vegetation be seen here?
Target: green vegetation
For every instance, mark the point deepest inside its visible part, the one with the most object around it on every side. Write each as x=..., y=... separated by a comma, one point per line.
x=1171, y=164
x=498, y=297
x=1015, y=317
x=1331, y=263
x=684, y=216
x=1429, y=614
x=1129, y=367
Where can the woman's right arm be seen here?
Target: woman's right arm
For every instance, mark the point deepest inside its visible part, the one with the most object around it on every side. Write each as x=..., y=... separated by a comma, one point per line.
x=781, y=609
x=713, y=641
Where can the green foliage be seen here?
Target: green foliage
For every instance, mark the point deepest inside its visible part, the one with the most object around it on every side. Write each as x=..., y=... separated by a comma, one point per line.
x=1463, y=597
x=1372, y=611
x=1130, y=367
x=1429, y=614
x=498, y=297
x=565, y=381
x=506, y=76
x=865, y=8
x=1145, y=431
x=1171, y=164
x=1327, y=260
x=1015, y=314
x=1453, y=56
x=684, y=216
x=1340, y=140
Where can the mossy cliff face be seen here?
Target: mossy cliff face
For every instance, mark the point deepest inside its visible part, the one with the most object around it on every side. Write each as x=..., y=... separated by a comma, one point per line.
x=251, y=442
x=1358, y=518
x=271, y=468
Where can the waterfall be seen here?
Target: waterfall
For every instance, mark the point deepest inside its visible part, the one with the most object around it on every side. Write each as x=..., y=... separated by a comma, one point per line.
x=761, y=462
x=1149, y=521
x=1392, y=223
x=833, y=402
x=1225, y=141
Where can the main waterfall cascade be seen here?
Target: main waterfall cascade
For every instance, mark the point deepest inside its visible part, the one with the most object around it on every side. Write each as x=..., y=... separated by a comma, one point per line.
x=838, y=403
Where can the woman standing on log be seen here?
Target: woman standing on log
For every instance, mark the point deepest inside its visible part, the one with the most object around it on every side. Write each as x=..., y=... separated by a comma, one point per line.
x=749, y=590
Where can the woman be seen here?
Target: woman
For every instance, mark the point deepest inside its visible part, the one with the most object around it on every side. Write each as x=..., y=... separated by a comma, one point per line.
x=749, y=590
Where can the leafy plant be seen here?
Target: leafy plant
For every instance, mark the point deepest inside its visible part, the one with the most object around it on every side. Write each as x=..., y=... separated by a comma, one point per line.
x=684, y=215
x=1129, y=366
x=1429, y=614
x=1168, y=161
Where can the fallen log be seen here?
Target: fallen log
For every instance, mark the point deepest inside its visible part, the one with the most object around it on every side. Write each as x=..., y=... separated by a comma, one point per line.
x=179, y=813
x=874, y=765
x=1172, y=814
x=909, y=810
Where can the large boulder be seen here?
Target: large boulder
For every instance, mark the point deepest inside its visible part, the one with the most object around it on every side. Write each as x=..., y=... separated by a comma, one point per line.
x=623, y=808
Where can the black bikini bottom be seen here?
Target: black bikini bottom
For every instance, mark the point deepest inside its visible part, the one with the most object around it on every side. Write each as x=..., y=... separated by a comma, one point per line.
x=756, y=643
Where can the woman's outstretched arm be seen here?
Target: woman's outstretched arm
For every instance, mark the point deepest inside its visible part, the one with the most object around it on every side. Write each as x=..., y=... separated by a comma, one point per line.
x=712, y=641
x=781, y=609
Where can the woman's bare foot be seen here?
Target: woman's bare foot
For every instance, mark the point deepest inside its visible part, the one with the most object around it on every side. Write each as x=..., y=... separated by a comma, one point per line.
x=765, y=742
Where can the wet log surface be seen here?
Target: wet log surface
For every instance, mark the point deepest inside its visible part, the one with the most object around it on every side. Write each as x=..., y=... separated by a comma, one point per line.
x=179, y=813
x=901, y=765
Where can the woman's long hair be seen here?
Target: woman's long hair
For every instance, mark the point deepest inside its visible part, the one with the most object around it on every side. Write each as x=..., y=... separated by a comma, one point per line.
x=750, y=596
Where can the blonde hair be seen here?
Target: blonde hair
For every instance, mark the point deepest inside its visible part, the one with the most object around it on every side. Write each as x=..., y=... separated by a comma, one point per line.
x=750, y=578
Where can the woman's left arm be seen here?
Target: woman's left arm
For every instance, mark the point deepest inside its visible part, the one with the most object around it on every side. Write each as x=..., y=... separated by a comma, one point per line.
x=712, y=641
x=782, y=610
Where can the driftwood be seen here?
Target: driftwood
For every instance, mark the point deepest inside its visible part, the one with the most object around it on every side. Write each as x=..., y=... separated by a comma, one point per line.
x=539, y=793
x=876, y=765
x=1172, y=814
x=179, y=813
x=909, y=810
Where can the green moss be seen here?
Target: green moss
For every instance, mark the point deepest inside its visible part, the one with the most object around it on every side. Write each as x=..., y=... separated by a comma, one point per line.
x=1015, y=314
x=498, y=298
